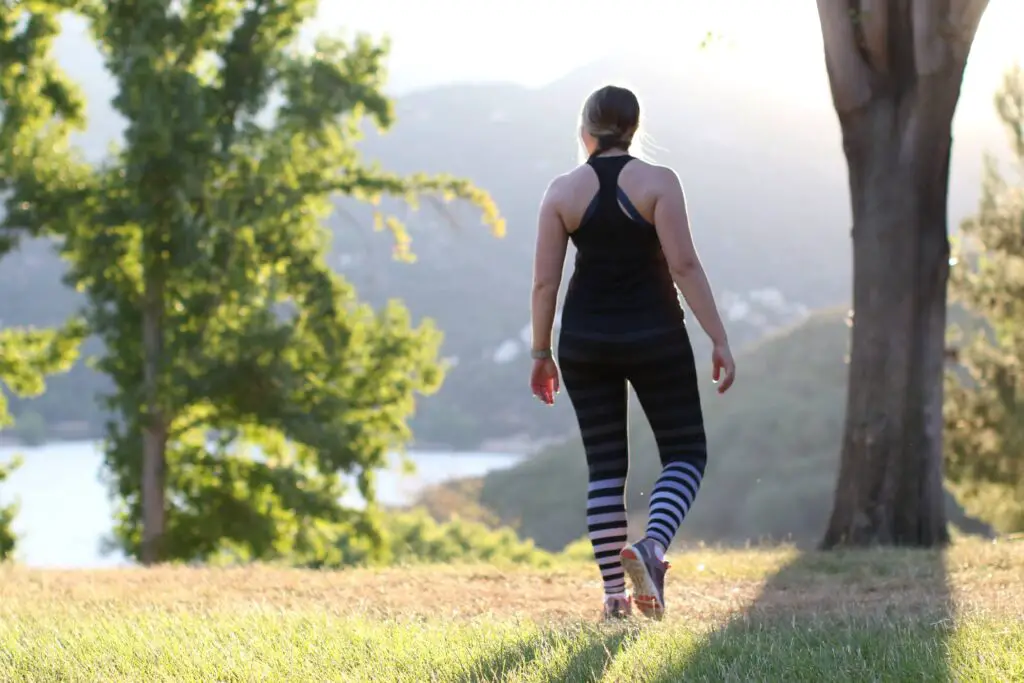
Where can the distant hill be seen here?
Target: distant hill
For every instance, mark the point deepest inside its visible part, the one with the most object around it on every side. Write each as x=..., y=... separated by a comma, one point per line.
x=765, y=180
x=773, y=443
x=773, y=453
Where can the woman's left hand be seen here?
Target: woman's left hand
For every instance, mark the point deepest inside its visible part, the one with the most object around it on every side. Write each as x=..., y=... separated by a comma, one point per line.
x=544, y=380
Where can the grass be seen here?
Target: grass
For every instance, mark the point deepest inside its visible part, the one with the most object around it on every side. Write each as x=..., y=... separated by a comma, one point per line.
x=768, y=615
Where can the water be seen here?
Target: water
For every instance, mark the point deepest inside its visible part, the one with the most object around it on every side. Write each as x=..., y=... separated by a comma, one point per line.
x=65, y=510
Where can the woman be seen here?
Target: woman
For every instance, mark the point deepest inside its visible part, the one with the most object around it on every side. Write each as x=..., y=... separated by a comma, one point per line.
x=622, y=322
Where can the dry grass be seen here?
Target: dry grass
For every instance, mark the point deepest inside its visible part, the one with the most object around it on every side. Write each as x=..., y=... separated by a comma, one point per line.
x=975, y=578
x=764, y=607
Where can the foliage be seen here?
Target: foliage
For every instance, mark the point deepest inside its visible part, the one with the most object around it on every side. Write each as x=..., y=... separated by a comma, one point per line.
x=27, y=355
x=579, y=550
x=415, y=537
x=407, y=537
x=199, y=248
x=984, y=410
x=8, y=539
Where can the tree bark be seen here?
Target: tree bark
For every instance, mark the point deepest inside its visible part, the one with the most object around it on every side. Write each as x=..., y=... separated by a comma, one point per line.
x=890, y=488
x=154, y=428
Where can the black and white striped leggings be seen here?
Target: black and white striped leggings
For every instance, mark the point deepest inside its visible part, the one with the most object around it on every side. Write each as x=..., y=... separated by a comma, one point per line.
x=660, y=368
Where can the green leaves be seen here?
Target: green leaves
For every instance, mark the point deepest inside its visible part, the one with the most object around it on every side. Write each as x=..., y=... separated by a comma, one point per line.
x=8, y=539
x=28, y=355
x=39, y=109
x=984, y=409
x=200, y=251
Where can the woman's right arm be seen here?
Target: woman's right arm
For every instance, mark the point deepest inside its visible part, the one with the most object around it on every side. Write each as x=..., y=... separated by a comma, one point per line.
x=673, y=226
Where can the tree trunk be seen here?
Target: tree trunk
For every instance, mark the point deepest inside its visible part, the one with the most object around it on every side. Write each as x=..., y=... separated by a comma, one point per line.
x=154, y=428
x=890, y=488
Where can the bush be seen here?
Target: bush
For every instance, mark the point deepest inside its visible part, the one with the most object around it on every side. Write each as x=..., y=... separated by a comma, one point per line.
x=415, y=537
x=580, y=550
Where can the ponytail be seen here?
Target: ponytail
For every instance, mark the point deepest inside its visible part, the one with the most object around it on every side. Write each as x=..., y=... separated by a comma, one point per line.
x=608, y=142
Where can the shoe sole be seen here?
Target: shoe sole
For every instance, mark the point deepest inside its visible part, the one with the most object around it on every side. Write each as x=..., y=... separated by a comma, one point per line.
x=625, y=611
x=616, y=616
x=645, y=594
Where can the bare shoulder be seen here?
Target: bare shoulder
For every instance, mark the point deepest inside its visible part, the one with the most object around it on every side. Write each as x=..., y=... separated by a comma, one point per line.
x=662, y=177
x=565, y=188
x=560, y=185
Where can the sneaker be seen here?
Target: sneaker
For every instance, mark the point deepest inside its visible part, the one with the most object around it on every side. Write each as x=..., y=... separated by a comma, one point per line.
x=647, y=573
x=618, y=608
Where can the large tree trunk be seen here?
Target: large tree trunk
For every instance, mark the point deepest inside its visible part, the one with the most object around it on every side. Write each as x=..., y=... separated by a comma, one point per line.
x=154, y=429
x=895, y=70
x=890, y=480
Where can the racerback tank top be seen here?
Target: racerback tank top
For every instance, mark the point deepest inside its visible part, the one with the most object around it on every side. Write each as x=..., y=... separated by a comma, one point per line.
x=621, y=283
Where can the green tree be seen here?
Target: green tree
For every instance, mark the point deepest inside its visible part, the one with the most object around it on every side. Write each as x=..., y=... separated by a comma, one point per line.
x=984, y=408
x=27, y=356
x=199, y=247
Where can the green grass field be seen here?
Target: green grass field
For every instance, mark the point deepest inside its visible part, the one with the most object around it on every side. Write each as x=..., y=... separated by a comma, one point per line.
x=760, y=615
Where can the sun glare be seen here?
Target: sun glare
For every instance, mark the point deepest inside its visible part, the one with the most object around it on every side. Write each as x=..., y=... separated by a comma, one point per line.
x=533, y=42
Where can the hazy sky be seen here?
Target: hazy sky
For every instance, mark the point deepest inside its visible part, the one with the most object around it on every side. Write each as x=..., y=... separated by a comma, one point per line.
x=768, y=47
x=536, y=41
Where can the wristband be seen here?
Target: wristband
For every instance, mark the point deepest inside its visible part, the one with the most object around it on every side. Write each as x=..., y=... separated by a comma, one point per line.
x=540, y=354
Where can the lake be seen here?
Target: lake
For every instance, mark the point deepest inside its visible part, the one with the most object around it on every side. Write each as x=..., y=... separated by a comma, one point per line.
x=65, y=510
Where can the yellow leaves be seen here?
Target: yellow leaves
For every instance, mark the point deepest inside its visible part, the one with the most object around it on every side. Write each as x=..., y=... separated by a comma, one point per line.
x=12, y=463
x=280, y=266
x=27, y=355
x=491, y=215
x=401, y=249
x=441, y=189
x=5, y=417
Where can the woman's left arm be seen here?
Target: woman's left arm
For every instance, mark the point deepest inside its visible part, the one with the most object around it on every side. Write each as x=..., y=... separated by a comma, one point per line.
x=552, y=241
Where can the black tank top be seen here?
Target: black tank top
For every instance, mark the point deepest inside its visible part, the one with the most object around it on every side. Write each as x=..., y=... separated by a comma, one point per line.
x=621, y=283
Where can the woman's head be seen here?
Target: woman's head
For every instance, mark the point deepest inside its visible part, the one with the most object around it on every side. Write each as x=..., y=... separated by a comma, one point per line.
x=609, y=120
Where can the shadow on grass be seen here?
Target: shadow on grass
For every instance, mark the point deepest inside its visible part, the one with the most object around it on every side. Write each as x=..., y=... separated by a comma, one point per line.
x=590, y=662
x=496, y=665
x=594, y=650
x=877, y=615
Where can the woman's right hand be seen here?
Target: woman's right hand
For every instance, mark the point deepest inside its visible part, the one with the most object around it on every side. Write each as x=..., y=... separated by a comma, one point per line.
x=544, y=380
x=722, y=364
